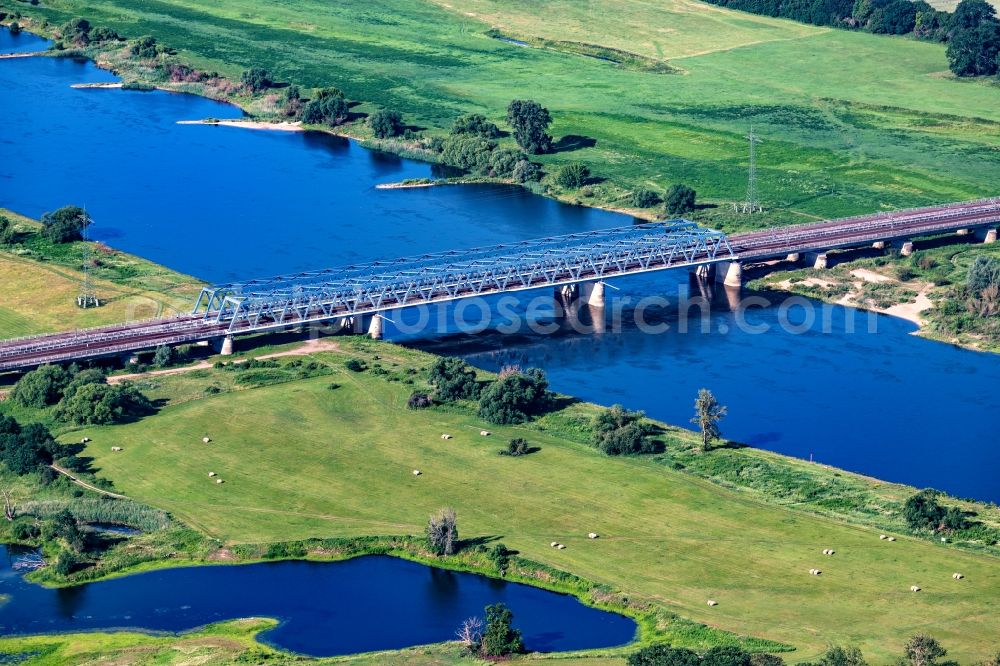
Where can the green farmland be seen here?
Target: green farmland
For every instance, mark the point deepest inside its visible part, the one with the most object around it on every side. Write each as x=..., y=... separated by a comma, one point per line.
x=294, y=456
x=851, y=122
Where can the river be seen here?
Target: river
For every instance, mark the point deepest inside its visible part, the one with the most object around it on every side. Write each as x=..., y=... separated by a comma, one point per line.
x=225, y=204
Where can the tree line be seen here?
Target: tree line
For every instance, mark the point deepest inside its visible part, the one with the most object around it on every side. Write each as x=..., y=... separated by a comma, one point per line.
x=972, y=31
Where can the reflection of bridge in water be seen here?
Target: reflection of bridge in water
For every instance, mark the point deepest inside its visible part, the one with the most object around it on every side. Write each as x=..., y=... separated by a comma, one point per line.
x=575, y=265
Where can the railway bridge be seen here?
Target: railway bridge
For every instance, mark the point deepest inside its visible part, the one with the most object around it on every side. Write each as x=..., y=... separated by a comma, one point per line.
x=360, y=295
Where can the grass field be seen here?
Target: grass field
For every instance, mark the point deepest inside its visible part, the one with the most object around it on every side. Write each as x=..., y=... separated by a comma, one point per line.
x=851, y=122
x=43, y=282
x=295, y=456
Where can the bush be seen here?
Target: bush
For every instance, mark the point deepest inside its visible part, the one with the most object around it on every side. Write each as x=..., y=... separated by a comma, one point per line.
x=24, y=530
x=453, y=379
x=525, y=171
x=504, y=161
x=256, y=79
x=66, y=563
x=680, y=199
x=573, y=176
x=516, y=447
x=515, y=398
x=419, y=400
x=725, y=655
x=66, y=224
x=923, y=511
x=102, y=404
x=7, y=233
x=15, y=28
x=355, y=365
x=476, y=125
x=386, y=123
x=500, y=557
x=643, y=198
x=467, y=152
x=145, y=47
x=618, y=431
x=663, y=655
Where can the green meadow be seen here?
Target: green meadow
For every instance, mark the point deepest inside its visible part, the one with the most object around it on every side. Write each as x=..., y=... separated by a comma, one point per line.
x=300, y=459
x=850, y=122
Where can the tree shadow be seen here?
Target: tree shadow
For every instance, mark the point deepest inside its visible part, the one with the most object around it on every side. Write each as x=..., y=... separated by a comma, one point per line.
x=557, y=403
x=478, y=541
x=414, y=128
x=572, y=142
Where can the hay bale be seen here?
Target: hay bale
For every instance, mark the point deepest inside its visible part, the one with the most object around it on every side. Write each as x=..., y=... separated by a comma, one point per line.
x=815, y=572
x=219, y=481
x=484, y=433
x=417, y=472
x=828, y=551
x=592, y=535
x=205, y=440
x=554, y=544
x=914, y=588
x=883, y=537
x=211, y=474
x=116, y=449
x=85, y=440
x=957, y=576
x=561, y=547
x=891, y=538
x=713, y=602
x=446, y=436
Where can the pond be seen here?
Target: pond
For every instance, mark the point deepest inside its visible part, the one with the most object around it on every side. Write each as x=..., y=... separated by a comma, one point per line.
x=324, y=608
x=226, y=203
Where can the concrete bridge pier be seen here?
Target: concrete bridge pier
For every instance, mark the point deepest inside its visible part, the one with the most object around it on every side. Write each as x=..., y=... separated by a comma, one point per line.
x=963, y=232
x=563, y=298
x=703, y=272
x=906, y=249
x=130, y=358
x=880, y=245
x=819, y=260
x=375, y=326
x=987, y=235
x=592, y=293
x=729, y=273
x=223, y=346
x=794, y=257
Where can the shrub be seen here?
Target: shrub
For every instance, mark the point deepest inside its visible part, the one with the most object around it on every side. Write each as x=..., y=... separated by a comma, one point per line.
x=573, y=176
x=618, y=431
x=725, y=655
x=24, y=530
x=355, y=365
x=467, y=152
x=66, y=563
x=419, y=400
x=7, y=233
x=15, y=28
x=103, y=34
x=516, y=447
x=525, y=171
x=145, y=47
x=504, y=161
x=442, y=533
x=663, y=655
x=475, y=124
x=256, y=79
x=515, y=398
x=453, y=379
x=680, y=199
x=984, y=272
x=643, y=198
x=923, y=511
x=329, y=108
x=385, y=123
x=500, y=557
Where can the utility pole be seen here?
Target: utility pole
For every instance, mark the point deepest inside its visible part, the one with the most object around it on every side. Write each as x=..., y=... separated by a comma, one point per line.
x=87, y=297
x=751, y=204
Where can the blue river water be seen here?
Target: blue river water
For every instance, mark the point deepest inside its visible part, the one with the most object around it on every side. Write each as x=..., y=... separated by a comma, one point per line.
x=324, y=608
x=225, y=204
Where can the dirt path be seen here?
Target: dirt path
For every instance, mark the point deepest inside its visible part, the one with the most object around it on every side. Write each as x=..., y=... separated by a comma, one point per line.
x=84, y=484
x=306, y=348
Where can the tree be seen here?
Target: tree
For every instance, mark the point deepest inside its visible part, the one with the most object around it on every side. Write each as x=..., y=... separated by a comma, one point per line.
x=102, y=404
x=145, y=47
x=164, y=356
x=896, y=18
x=7, y=233
x=974, y=51
x=504, y=161
x=618, y=431
x=643, y=198
x=922, y=650
x=386, y=123
x=836, y=655
x=256, y=79
x=525, y=171
x=707, y=414
x=663, y=655
x=984, y=272
x=15, y=28
x=500, y=638
x=972, y=13
x=530, y=121
x=573, y=175
x=516, y=447
x=470, y=634
x=442, y=532
x=66, y=563
x=475, y=124
x=329, y=108
x=453, y=379
x=76, y=31
x=66, y=224
x=726, y=655
x=41, y=387
x=923, y=511
x=515, y=398
x=765, y=659
x=499, y=554
x=468, y=152
x=680, y=199
x=103, y=34
x=419, y=400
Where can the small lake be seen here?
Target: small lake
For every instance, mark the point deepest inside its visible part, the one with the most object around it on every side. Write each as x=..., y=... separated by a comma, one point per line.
x=230, y=204
x=325, y=608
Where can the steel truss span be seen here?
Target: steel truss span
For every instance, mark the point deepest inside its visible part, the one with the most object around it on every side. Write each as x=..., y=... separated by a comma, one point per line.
x=433, y=278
